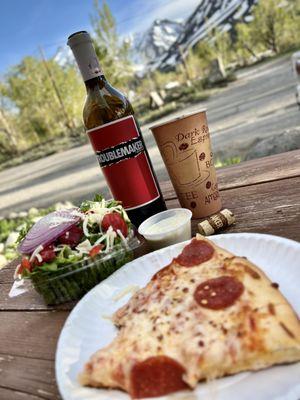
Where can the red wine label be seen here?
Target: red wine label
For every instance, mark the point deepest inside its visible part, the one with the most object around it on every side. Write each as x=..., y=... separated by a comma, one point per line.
x=121, y=155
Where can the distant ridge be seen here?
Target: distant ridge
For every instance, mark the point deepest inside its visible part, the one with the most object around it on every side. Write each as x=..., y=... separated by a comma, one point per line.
x=159, y=46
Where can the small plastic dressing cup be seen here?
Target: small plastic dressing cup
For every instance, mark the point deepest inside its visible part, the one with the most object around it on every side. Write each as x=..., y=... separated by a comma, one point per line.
x=167, y=227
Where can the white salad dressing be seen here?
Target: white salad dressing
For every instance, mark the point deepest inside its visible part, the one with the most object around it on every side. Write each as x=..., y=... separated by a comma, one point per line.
x=166, y=228
x=165, y=225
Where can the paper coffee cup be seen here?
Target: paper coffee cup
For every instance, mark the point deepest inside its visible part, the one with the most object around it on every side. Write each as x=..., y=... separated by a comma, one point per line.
x=184, y=144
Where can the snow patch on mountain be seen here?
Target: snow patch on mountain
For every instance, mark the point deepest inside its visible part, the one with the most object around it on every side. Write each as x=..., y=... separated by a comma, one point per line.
x=156, y=41
x=166, y=41
x=206, y=17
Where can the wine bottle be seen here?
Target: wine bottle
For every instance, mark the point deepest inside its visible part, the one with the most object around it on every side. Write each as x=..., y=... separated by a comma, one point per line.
x=116, y=137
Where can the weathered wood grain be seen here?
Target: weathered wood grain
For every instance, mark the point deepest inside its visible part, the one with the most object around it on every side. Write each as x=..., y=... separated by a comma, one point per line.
x=27, y=350
x=7, y=273
x=30, y=334
x=11, y=394
x=33, y=377
x=272, y=207
x=263, y=194
x=277, y=167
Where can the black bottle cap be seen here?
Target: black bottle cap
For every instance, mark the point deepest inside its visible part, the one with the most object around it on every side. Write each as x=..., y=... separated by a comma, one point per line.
x=77, y=33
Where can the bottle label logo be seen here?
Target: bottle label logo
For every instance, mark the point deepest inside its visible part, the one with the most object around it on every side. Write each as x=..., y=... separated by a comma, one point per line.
x=121, y=155
x=121, y=152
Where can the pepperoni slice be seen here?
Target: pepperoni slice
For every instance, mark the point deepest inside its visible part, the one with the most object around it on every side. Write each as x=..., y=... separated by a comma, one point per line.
x=219, y=292
x=195, y=253
x=156, y=376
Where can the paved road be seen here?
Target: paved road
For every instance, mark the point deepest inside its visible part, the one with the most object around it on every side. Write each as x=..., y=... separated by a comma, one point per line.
x=259, y=104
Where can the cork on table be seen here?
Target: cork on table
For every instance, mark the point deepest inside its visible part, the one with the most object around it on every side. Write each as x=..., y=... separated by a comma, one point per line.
x=263, y=194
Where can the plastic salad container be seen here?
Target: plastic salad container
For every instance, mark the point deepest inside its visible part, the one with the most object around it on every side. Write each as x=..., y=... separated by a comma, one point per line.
x=73, y=281
x=68, y=252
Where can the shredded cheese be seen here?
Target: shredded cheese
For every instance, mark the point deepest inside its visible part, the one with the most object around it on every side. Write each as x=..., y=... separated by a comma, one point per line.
x=129, y=289
x=108, y=317
x=59, y=247
x=107, y=239
x=110, y=236
x=36, y=253
x=125, y=216
x=94, y=215
x=84, y=226
x=100, y=240
x=84, y=247
x=95, y=218
x=78, y=213
x=124, y=240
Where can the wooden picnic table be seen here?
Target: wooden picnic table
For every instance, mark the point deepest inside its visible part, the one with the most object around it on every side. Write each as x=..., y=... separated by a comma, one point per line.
x=264, y=194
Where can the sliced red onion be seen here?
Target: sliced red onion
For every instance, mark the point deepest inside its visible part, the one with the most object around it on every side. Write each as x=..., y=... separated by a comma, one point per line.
x=48, y=229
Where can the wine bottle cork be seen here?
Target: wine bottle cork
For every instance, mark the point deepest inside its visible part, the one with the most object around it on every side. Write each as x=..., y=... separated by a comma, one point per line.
x=216, y=222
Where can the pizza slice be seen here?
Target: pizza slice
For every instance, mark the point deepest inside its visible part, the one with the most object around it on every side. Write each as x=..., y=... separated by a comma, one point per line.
x=206, y=315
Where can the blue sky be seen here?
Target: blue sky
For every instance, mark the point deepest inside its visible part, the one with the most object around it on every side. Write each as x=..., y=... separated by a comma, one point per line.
x=27, y=24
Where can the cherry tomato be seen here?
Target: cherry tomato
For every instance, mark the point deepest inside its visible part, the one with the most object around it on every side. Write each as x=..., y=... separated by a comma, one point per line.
x=72, y=237
x=96, y=250
x=116, y=222
x=25, y=264
x=47, y=255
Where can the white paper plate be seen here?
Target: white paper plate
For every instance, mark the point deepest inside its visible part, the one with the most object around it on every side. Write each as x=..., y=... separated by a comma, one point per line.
x=86, y=331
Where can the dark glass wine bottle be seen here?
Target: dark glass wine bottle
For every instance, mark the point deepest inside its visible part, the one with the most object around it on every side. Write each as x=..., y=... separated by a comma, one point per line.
x=116, y=137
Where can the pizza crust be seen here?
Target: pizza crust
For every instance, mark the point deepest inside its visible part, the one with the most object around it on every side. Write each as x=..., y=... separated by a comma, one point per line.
x=163, y=319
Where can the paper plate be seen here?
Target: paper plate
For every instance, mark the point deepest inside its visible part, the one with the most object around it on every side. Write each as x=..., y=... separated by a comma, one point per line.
x=88, y=329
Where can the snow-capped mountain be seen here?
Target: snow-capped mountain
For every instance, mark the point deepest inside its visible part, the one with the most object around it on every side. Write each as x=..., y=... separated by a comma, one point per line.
x=158, y=49
x=209, y=15
x=163, y=45
x=156, y=41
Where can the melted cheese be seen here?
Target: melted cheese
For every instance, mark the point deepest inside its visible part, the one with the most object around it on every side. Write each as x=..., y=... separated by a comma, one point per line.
x=164, y=319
